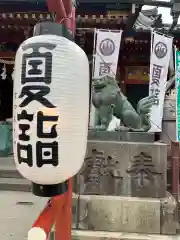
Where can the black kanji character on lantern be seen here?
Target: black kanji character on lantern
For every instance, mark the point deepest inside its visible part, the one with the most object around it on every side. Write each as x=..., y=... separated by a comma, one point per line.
x=105, y=68
x=41, y=119
x=24, y=154
x=24, y=127
x=37, y=65
x=25, y=116
x=47, y=153
x=35, y=93
x=23, y=136
x=156, y=74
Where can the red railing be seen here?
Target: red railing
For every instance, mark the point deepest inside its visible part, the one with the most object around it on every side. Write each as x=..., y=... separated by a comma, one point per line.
x=57, y=212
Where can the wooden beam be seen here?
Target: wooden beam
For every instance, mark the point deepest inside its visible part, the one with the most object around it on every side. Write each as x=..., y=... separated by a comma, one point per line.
x=7, y=55
x=158, y=3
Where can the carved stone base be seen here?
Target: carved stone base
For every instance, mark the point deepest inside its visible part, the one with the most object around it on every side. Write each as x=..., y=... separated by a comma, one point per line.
x=125, y=214
x=123, y=169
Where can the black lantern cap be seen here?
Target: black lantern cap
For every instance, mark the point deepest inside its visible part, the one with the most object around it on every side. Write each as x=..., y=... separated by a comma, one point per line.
x=49, y=190
x=44, y=28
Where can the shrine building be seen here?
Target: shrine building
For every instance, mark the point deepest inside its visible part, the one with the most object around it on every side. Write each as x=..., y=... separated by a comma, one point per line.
x=19, y=17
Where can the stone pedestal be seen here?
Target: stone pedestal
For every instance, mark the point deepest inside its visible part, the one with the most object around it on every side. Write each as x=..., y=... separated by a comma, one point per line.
x=125, y=214
x=122, y=189
x=119, y=168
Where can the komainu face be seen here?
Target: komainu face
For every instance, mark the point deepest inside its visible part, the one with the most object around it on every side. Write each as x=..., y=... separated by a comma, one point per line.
x=102, y=82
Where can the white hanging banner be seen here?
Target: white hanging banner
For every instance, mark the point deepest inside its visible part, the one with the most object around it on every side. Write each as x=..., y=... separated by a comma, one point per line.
x=107, y=52
x=159, y=64
x=105, y=58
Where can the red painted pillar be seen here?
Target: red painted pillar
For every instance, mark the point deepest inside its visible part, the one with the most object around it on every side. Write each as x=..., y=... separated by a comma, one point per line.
x=70, y=22
x=57, y=7
x=65, y=12
x=63, y=217
x=68, y=6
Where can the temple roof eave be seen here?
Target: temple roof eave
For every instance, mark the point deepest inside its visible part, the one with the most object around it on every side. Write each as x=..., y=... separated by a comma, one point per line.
x=164, y=29
x=90, y=21
x=113, y=18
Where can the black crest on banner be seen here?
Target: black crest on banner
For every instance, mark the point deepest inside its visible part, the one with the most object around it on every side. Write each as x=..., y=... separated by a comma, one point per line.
x=107, y=47
x=160, y=50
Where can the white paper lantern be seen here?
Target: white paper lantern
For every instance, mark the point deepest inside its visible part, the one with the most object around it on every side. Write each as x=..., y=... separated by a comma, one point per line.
x=51, y=101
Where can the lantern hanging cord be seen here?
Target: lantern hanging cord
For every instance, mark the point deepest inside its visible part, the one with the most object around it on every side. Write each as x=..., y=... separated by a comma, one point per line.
x=65, y=19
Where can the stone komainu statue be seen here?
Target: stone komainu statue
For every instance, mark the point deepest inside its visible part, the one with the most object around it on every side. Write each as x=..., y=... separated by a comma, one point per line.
x=109, y=101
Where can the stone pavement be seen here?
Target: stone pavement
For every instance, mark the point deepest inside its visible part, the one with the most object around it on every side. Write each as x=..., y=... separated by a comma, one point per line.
x=18, y=210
